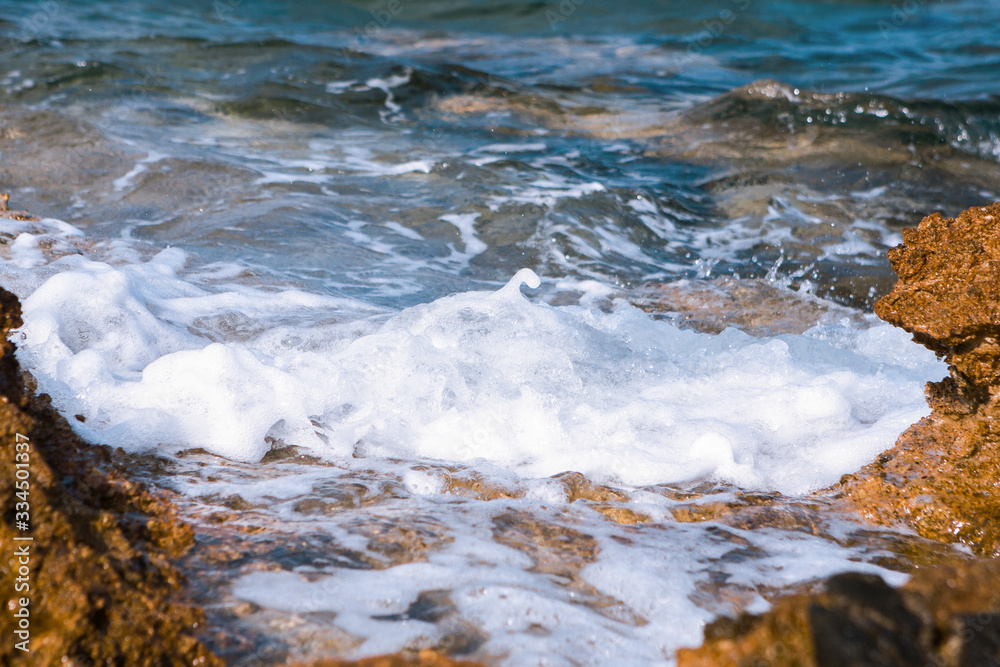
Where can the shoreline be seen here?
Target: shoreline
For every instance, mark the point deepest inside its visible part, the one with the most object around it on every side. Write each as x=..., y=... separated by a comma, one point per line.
x=101, y=583
x=940, y=479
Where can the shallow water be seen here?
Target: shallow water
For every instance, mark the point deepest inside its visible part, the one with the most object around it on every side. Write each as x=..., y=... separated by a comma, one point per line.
x=281, y=267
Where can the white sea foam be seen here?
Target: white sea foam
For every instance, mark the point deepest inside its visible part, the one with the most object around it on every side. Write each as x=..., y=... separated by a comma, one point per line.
x=24, y=251
x=140, y=167
x=465, y=223
x=647, y=584
x=150, y=355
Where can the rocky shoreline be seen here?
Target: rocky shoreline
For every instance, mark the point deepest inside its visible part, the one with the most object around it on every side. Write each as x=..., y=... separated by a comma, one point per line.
x=105, y=585
x=100, y=585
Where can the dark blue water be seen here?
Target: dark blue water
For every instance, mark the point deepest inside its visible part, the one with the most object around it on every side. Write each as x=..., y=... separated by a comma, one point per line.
x=913, y=48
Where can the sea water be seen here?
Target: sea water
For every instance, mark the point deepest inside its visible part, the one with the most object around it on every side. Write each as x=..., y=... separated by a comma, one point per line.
x=368, y=291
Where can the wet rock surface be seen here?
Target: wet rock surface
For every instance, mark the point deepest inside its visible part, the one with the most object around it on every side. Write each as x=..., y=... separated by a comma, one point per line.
x=947, y=295
x=941, y=479
x=942, y=616
x=102, y=587
x=942, y=476
x=758, y=307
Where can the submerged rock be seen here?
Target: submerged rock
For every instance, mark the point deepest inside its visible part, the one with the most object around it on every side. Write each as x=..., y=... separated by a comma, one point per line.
x=758, y=307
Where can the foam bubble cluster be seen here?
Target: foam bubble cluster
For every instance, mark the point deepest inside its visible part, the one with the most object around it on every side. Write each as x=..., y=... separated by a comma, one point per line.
x=150, y=356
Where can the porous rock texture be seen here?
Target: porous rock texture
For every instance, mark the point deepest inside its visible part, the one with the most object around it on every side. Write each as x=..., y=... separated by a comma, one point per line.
x=948, y=295
x=942, y=478
x=101, y=588
x=946, y=617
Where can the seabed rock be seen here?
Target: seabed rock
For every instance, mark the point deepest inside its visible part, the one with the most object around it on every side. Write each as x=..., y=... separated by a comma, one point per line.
x=755, y=306
x=942, y=479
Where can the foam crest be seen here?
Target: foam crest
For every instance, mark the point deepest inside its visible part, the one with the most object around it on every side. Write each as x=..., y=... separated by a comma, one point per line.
x=149, y=356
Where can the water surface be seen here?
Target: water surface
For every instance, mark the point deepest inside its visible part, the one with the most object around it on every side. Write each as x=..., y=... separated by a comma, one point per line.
x=278, y=262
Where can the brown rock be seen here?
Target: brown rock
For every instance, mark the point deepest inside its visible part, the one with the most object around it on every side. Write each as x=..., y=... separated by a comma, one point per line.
x=471, y=484
x=755, y=306
x=561, y=552
x=7, y=212
x=947, y=616
x=942, y=476
x=401, y=541
x=622, y=515
x=555, y=549
x=948, y=294
x=578, y=487
x=101, y=587
x=779, y=638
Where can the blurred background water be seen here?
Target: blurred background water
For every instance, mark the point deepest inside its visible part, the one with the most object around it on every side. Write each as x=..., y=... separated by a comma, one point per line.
x=330, y=140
